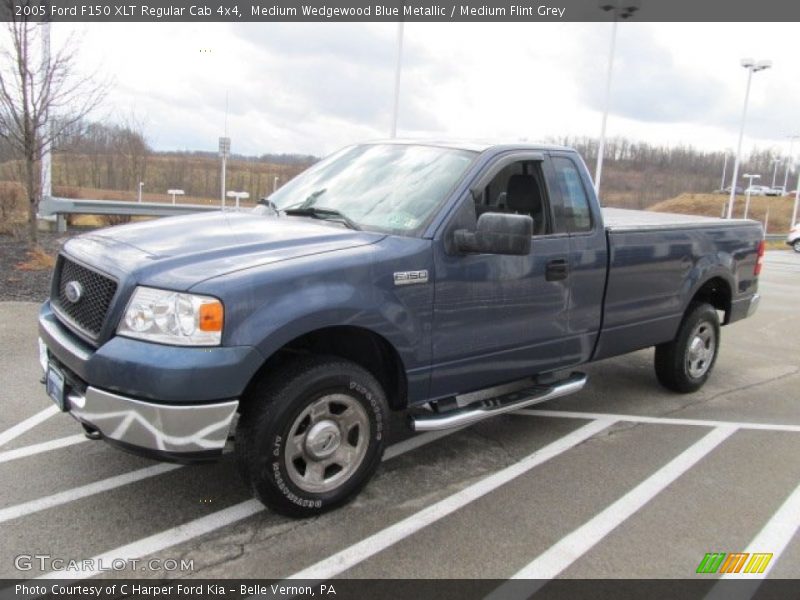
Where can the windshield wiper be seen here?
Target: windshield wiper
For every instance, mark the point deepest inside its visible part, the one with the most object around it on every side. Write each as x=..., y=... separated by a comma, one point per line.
x=318, y=212
x=308, y=202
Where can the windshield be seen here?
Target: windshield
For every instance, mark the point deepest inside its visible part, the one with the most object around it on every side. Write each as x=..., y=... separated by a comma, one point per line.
x=387, y=187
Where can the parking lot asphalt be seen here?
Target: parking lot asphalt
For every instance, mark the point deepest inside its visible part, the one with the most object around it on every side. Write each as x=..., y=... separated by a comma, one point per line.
x=622, y=480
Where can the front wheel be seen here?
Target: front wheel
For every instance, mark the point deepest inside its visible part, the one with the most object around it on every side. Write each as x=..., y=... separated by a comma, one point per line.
x=312, y=436
x=684, y=364
x=796, y=245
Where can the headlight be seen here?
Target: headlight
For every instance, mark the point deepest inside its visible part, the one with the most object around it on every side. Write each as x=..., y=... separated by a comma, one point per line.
x=172, y=318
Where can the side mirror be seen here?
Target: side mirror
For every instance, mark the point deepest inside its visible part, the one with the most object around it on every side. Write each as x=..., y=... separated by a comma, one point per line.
x=497, y=233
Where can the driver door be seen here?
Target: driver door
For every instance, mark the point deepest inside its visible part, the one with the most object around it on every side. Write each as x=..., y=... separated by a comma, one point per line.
x=498, y=318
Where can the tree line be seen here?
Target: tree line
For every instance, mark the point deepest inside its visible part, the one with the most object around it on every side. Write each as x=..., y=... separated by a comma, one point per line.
x=639, y=174
x=98, y=156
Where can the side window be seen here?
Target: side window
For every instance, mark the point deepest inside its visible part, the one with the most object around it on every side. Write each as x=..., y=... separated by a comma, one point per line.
x=576, y=212
x=519, y=189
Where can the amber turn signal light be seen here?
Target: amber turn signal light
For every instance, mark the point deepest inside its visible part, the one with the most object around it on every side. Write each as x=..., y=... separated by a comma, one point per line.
x=211, y=316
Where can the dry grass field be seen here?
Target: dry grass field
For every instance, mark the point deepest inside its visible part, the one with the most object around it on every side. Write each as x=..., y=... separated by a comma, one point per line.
x=711, y=205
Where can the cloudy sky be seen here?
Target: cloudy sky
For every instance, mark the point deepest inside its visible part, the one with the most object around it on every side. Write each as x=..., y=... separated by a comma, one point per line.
x=312, y=88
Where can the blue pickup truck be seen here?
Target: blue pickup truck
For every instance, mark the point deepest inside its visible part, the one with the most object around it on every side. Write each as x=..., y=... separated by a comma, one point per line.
x=390, y=276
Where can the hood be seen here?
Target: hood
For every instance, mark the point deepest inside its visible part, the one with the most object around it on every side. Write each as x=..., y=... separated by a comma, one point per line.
x=179, y=252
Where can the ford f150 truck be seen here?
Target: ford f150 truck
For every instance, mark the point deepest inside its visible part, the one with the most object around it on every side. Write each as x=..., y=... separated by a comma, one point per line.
x=388, y=276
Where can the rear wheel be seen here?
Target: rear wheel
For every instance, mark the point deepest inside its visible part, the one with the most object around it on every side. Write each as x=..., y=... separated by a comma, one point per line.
x=684, y=364
x=309, y=439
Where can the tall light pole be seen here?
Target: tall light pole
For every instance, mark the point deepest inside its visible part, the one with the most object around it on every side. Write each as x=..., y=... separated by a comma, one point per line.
x=622, y=9
x=789, y=159
x=224, y=151
x=752, y=67
x=724, y=169
x=748, y=191
x=776, y=162
x=397, y=71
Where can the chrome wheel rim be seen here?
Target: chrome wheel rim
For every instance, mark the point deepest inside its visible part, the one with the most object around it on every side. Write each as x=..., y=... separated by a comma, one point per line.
x=327, y=443
x=701, y=349
x=797, y=246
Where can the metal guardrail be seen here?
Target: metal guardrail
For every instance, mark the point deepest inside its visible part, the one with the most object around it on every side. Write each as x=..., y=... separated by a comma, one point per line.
x=59, y=207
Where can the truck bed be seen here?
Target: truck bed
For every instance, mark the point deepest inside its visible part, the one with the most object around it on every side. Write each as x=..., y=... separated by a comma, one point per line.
x=620, y=219
x=655, y=262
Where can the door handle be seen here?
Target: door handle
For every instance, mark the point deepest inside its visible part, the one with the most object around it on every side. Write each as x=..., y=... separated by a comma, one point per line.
x=556, y=270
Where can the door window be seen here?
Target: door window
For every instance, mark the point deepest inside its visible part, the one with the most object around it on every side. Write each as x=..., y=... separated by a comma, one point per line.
x=518, y=189
x=575, y=214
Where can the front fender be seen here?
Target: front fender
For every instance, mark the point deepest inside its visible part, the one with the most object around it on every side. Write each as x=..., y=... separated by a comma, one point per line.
x=355, y=287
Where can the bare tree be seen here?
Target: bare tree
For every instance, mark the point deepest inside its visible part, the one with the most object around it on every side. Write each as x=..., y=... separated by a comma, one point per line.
x=39, y=99
x=132, y=145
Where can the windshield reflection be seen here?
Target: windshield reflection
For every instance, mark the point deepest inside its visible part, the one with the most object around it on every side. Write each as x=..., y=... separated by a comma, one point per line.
x=393, y=188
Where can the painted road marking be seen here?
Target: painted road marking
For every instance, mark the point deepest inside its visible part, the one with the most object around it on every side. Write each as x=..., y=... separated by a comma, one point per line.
x=571, y=547
x=221, y=518
x=27, y=508
x=33, y=449
x=165, y=539
x=777, y=533
x=29, y=423
x=773, y=538
x=566, y=414
x=32, y=506
x=349, y=557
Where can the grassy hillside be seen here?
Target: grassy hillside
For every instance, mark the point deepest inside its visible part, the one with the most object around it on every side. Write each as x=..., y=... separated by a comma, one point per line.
x=118, y=175
x=711, y=205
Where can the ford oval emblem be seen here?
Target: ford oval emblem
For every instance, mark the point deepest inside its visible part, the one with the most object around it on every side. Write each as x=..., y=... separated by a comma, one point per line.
x=73, y=291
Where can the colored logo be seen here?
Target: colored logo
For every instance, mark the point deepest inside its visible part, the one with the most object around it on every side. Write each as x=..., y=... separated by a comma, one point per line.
x=734, y=562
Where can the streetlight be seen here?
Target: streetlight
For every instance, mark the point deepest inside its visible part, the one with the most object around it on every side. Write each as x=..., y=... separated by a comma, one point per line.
x=775, y=161
x=397, y=70
x=623, y=9
x=792, y=138
x=224, y=152
x=238, y=196
x=141, y=185
x=752, y=67
x=275, y=183
x=747, y=192
x=724, y=169
x=174, y=193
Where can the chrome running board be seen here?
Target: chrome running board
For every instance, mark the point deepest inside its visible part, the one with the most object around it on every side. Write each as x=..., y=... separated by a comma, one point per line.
x=478, y=411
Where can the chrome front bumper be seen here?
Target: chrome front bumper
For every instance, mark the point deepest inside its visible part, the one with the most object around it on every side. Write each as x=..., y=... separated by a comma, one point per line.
x=167, y=430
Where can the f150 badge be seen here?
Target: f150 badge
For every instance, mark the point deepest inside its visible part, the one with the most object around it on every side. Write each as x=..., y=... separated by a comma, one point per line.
x=410, y=277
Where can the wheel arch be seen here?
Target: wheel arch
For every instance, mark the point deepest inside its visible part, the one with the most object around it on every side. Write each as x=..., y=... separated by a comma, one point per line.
x=715, y=290
x=360, y=345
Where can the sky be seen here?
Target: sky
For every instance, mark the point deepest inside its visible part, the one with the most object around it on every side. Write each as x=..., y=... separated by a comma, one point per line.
x=312, y=88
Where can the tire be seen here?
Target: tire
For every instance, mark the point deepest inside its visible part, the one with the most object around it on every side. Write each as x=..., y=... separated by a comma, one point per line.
x=684, y=364
x=310, y=439
x=796, y=245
